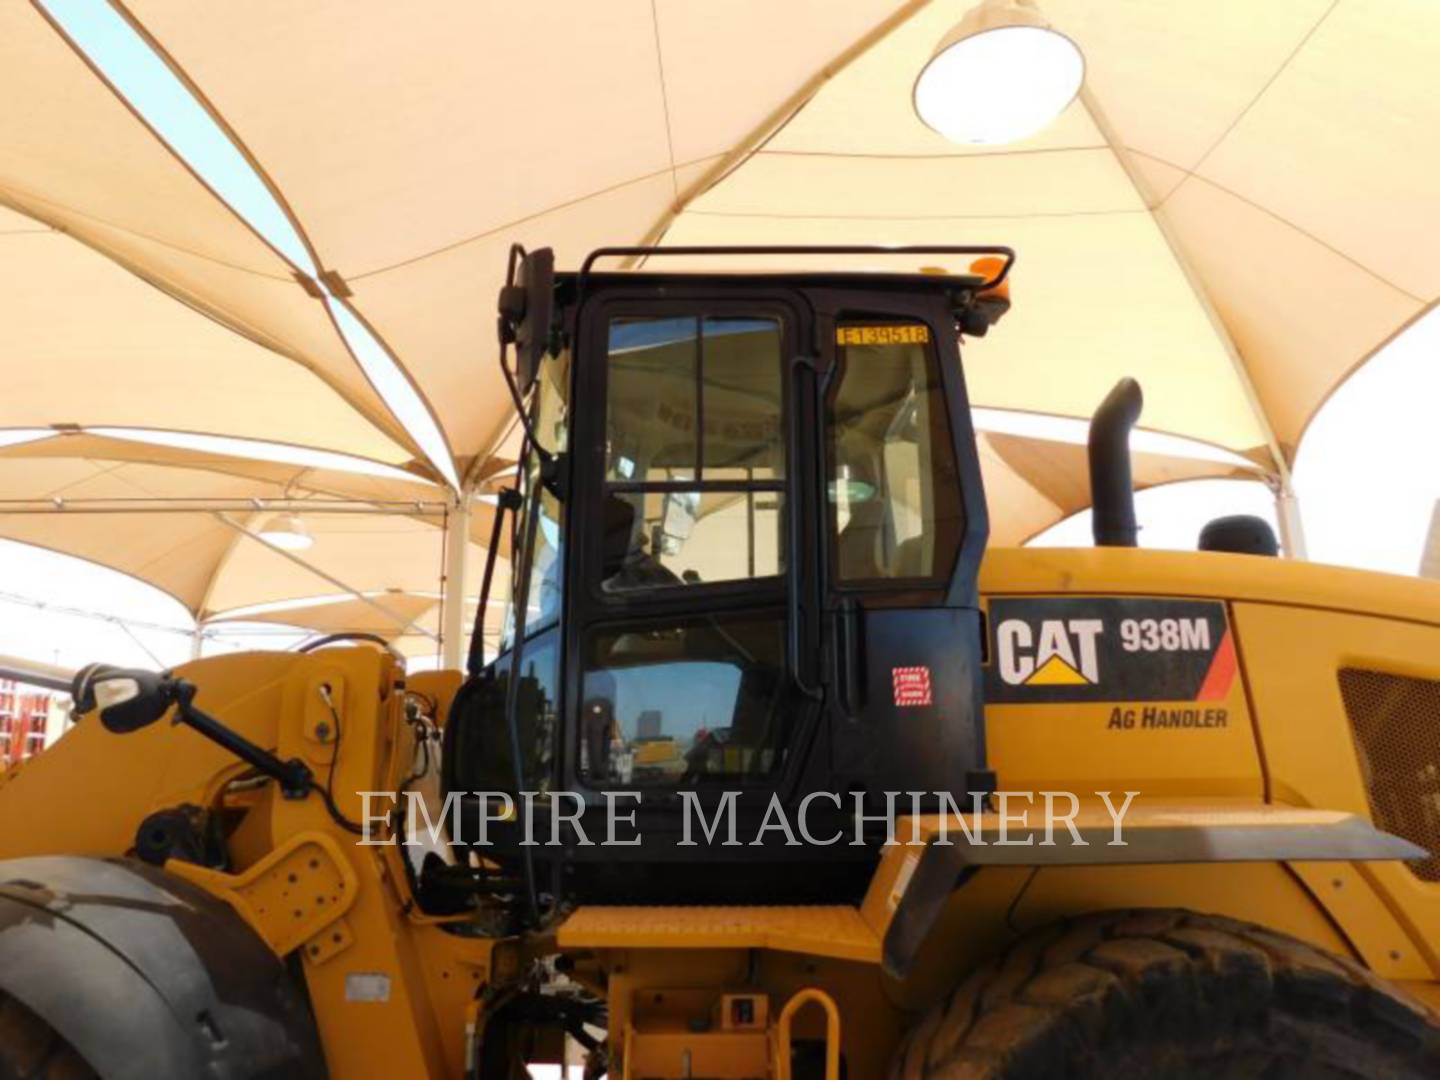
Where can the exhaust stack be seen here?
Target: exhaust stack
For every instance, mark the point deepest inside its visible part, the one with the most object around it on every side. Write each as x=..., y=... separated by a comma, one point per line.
x=1112, y=494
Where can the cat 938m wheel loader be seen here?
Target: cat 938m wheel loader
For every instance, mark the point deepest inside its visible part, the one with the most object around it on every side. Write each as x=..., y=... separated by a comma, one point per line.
x=778, y=772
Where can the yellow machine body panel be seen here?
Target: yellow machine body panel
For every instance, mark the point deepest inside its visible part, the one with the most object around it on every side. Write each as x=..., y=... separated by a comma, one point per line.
x=1283, y=731
x=390, y=992
x=1278, y=739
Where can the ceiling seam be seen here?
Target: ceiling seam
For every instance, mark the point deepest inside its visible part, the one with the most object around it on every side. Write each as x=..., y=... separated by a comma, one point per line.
x=1255, y=100
x=21, y=202
x=229, y=320
x=225, y=319
x=1283, y=220
x=84, y=57
x=505, y=226
x=318, y=264
x=779, y=117
x=95, y=562
x=913, y=217
x=664, y=98
x=975, y=156
x=1427, y=307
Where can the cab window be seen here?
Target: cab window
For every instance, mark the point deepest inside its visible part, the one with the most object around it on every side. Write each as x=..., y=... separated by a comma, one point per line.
x=894, y=488
x=541, y=565
x=695, y=452
x=680, y=702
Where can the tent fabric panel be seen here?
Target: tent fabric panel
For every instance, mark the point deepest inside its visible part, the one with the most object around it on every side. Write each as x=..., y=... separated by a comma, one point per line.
x=286, y=480
x=78, y=158
x=1032, y=484
x=1070, y=334
x=1018, y=509
x=128, y=355
x=77, y=145
x=439, y=312
x=1172, y=75
x=177, y=559
x=276, y=314
x=947, y=188
x=176, y=553
x=365, y=552
x=1300, y=313
x=192, y=554
x=728, y=66
x=342, y=615
x=1343, y=143
x=419, y=128
x=443, y=127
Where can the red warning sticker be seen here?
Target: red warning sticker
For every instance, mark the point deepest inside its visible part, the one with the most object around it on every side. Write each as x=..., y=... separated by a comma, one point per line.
x=912, y=685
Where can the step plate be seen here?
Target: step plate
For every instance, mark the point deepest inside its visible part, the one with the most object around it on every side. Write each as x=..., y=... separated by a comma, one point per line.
x=836, y=931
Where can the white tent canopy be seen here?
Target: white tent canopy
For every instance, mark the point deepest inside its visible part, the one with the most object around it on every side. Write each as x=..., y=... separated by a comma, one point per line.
x=1189, y=221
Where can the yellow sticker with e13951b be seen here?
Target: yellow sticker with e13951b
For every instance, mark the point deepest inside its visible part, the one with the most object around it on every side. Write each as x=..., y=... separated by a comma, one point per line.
x=892, y=334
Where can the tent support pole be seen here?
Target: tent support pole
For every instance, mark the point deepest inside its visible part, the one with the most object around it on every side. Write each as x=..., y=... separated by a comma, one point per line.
x=1292, y=530
x=457, y=538
x=197, y=641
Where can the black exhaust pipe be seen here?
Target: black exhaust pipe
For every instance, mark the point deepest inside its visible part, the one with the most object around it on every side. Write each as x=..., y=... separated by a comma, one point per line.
x=1112, y=494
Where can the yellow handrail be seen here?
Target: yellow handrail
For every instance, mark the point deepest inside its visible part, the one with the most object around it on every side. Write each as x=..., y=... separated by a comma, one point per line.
x=832, y=1032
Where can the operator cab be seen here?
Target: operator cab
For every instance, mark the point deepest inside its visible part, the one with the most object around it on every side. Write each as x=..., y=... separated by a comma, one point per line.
x=746, y=535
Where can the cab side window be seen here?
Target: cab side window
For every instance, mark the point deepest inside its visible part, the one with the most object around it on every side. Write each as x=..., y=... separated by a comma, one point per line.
x=695, y=452
x=894, y=488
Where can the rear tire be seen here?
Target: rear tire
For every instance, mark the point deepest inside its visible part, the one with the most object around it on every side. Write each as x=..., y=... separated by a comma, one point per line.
x=1173, y=994
x=30, y=1049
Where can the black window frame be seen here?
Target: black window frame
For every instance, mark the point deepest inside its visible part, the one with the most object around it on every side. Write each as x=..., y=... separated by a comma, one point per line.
x=959, y=586
x=589, y=606
x=685, y=596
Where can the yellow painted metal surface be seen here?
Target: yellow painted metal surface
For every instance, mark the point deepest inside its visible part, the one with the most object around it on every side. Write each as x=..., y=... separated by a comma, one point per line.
x=389, y=989
x=296, y=895
x=838, y=931
x=395, y=993
x=1293, y=658
x=783, y=1031
x=1137, y=572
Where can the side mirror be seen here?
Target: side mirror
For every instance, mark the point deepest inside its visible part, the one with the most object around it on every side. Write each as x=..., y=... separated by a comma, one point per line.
x=527, y=305
x=127, y=699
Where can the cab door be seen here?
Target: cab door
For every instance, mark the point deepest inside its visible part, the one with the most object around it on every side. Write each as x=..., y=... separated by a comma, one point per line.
x=681, y=663
x=905, y=528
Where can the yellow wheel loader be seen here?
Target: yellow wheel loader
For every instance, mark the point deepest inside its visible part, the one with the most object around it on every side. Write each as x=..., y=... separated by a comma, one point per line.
x=777, y=772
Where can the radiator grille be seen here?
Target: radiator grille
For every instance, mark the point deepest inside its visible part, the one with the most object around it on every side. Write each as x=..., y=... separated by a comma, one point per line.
x=1396, y=720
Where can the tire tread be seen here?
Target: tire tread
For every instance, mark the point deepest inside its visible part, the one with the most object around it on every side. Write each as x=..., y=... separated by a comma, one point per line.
x=1170, y=992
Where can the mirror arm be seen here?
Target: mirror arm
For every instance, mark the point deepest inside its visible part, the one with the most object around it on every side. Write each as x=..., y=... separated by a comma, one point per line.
x=521, y=607
x=294, y=776
x=507, y=501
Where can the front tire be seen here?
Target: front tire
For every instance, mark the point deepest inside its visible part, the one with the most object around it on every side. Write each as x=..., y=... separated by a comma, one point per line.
x=1174, y=994
x=30, y=1049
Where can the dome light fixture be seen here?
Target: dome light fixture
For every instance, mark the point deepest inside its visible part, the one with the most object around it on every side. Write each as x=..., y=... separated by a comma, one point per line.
x=1001, y=74
x=288, y=532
